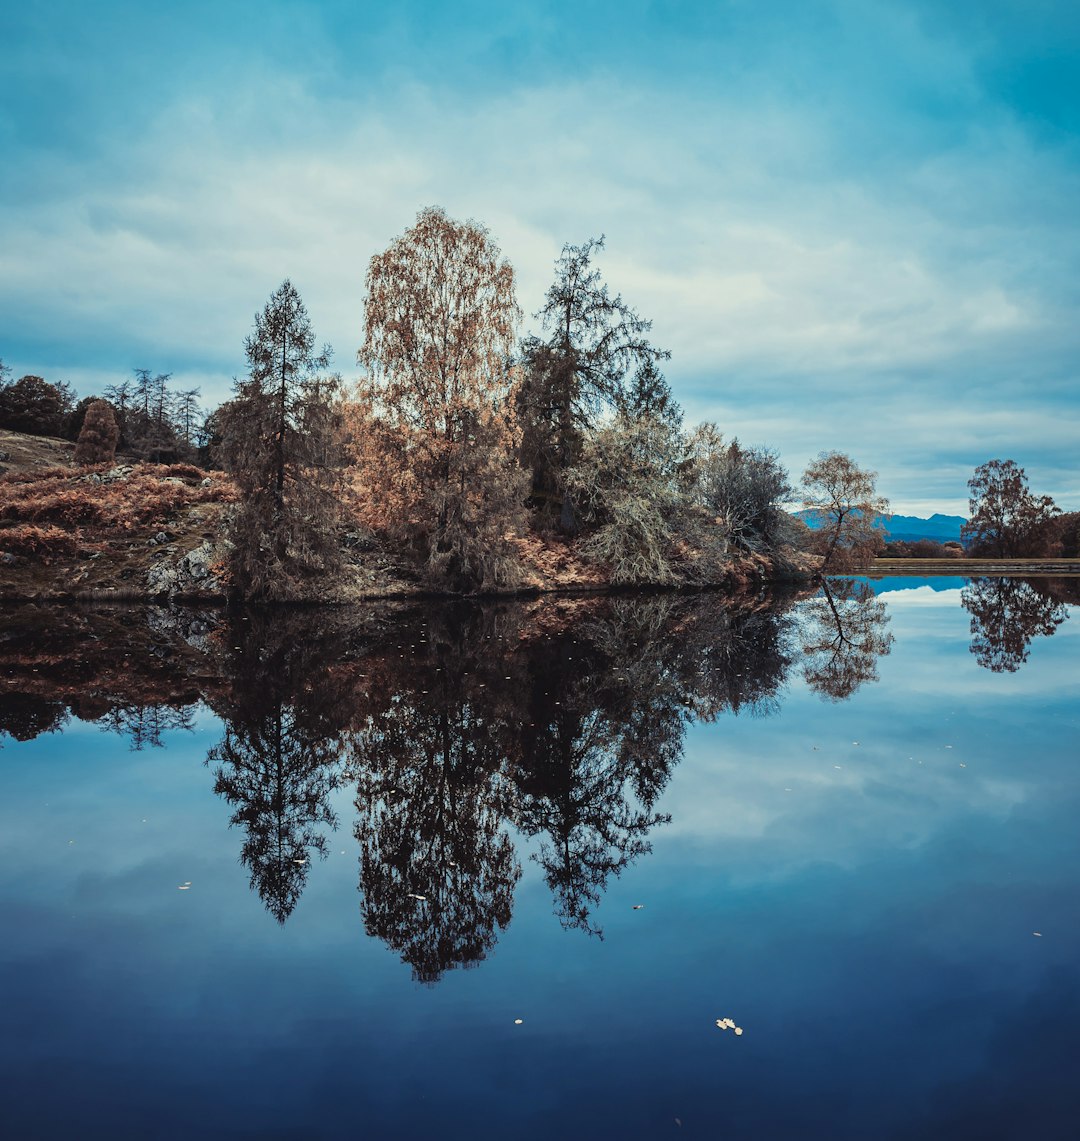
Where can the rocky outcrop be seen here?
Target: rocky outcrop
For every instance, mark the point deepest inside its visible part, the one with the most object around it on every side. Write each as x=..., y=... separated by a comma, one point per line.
x=191, y=574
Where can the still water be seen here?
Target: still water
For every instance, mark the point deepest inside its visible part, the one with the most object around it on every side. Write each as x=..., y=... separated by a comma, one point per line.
x=469, y=872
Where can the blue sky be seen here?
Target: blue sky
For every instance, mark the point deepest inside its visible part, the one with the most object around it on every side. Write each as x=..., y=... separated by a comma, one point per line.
x=854, y=224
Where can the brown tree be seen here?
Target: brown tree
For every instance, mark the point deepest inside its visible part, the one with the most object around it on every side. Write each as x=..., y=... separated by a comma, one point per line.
x=440, y=317
x=1006, y=520
x=844, y=499
x=99, y=434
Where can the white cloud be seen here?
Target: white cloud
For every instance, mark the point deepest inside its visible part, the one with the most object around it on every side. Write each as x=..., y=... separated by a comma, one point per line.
x=797, y=289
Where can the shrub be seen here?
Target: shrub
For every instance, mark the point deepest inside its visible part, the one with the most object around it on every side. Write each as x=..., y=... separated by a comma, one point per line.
x=98, y=437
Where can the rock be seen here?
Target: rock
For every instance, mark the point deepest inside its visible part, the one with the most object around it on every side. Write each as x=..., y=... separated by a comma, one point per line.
x=4, y=456
x=208, y=482
x=190, y=573
x=7, y=559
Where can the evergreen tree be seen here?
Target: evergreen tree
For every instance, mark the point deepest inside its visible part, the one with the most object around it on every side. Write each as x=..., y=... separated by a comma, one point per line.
x=573, y=372
x=98, y=436
x=279, y=442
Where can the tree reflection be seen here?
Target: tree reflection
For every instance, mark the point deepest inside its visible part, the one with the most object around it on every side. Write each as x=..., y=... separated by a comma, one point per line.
x=844, y=632
x=143, y=725
x=1006, y=613
x=437, y=867
x=23, y=716
x=604, y=725
x=278, y=761
x=598, y=742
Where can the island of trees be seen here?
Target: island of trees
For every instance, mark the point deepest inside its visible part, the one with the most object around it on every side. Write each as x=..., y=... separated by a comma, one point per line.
x=475, y=459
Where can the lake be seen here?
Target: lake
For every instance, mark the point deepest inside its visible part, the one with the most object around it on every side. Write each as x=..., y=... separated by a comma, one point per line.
x=651, y=867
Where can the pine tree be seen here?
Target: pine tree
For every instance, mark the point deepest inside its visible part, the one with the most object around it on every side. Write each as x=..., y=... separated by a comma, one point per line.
x=279, y=442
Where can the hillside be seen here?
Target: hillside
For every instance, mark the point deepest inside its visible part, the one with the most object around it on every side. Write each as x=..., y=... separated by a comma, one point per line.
x=139, y=531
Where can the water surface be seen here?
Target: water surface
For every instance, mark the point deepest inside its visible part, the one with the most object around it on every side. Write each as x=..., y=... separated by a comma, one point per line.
x=489, y=872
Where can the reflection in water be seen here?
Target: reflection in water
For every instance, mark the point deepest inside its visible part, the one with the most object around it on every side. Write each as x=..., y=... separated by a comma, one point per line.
x=437, y=866
x=460, y=727
x=144, y=725
x=844, y=632
x=1006, y=613
x=278, y=760
x=24, y=716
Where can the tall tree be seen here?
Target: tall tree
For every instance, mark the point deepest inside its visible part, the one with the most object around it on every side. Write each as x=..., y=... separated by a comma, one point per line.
x=278, y=762
x=1005, y=519
x=844, y=498
x=440, y=319
x=279, y=441
x=590, y=340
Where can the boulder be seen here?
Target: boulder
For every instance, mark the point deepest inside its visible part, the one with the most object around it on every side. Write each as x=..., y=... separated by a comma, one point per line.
x=192, y=573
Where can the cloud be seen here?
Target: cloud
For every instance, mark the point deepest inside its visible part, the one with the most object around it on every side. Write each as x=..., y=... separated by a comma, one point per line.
x=866, y=251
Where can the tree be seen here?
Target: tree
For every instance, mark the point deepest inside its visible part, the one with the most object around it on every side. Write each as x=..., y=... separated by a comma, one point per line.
x=1005, y=519
x=578, y=368
x=98, y=436
x=740, y=487
x=440, y=317
x=188, y=416
x=845, y=502
x=279, y=442
x=627, y=490
x=34, y=406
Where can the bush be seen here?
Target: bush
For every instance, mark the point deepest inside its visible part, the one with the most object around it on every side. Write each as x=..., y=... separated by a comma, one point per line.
x=34, y=406
x=98, y=436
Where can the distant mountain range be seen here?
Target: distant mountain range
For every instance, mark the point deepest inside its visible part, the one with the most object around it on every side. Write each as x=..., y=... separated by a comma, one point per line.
x=940, y=528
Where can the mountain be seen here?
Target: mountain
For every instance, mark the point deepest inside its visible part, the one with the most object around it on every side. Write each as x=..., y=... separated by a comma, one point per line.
x=940, y=528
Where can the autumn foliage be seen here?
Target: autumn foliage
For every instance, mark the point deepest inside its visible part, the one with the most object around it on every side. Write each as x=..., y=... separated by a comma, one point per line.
x=59, y=511
x=434, y=432
x=98, y=436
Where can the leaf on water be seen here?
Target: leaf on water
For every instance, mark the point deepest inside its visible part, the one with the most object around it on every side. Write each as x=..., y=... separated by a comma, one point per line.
x=518, y=1021
x=1039, y=933
x=738, y=1029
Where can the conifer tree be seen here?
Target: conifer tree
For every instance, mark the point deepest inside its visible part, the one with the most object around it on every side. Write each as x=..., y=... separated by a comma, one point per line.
x=98, y=436
x=279, y=442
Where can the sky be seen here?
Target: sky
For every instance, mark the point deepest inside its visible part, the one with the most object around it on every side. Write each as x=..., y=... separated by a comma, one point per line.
x=853, y=223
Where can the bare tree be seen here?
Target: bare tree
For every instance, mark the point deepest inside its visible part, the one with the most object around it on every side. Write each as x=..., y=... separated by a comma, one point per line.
x=844, y=499
x=742, y=488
